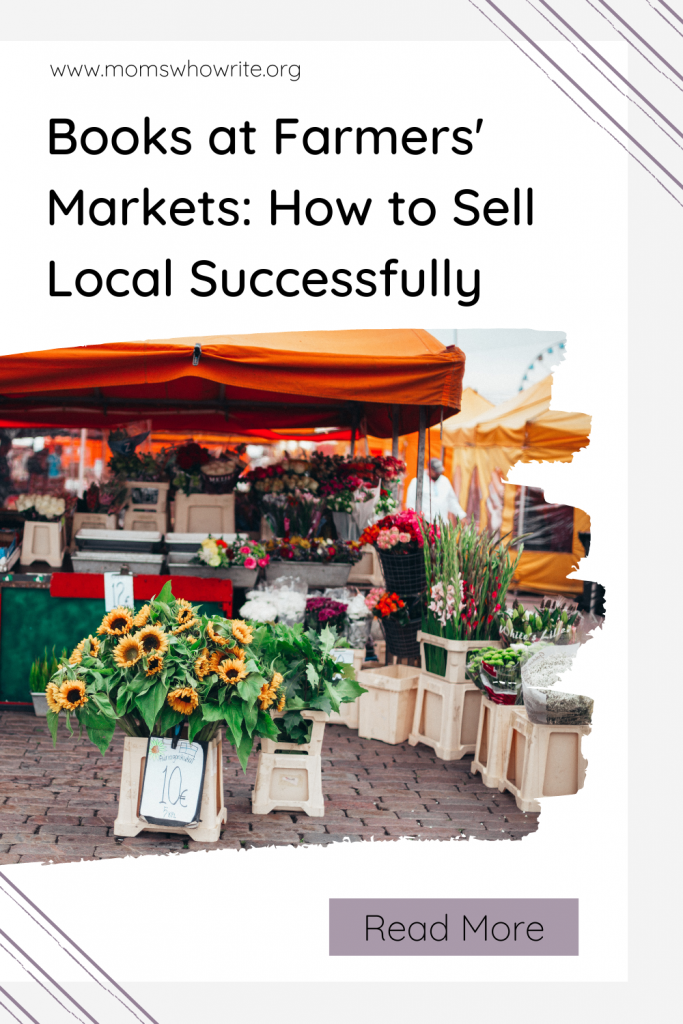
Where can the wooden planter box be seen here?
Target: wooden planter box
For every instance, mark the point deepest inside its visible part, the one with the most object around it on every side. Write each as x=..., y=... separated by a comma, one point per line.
x=446, y=717
x=456, y=655
x=542, y=760
x=291, y=782
x=348, y=713
x=140, y=490
x=495, y=723
x=368, y=571
x=142, y=520
x=44, y=542
x=388, y=708
x=91, y=521
x=204, y=513
x=213, y=811
x=314, y=574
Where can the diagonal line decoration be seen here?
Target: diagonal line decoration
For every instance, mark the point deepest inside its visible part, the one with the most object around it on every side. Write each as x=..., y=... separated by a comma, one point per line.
x=676, y=195
x=130, y=1011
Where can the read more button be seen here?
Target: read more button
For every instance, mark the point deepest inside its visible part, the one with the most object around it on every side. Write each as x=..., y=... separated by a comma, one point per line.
x=454, y=927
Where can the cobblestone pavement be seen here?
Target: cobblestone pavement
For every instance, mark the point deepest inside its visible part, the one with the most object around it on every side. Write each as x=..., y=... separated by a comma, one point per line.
x=60, y=804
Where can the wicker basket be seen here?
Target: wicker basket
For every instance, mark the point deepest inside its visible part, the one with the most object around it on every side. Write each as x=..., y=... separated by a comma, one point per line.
x=402, y=640
x=404, y=574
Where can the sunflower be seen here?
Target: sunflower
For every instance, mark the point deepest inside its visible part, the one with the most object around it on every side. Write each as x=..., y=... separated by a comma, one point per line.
x=231, y=670
x=281, y=702
x=184, y=626
x=117, y=622
x=79, y=650
x=184, y=700
x=128, y=652
x=277, y=680
x=142, y=616
x=72, y=694
x=154, y=665
x=237, y=652
x=153, y=640
x=213, y=635
x=184, y=611
x=53, y=697
x=242, y=632
x=202, y=665
x=267, y=695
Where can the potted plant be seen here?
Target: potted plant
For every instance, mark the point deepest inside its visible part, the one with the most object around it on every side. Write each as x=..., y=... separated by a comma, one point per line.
x=166, y=671
x=44, y=537
x=319, y=562
x=40, y=674
x=315, y=684
x=239, y=561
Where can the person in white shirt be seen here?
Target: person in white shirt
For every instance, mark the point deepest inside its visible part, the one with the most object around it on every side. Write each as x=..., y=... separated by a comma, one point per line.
x=438, y=497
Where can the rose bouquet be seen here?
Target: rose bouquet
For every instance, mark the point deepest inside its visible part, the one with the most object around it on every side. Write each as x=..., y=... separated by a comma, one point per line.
x=219, y=554
x=384, y=605
x=401, y=533
x=152, y=671
x=323, y=611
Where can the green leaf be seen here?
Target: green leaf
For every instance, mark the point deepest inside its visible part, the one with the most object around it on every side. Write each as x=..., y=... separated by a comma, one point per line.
x=251, y=718
x=265, y=726
x=312, y=675
x=234, y=717
x=250, y=688
x=123, y=700
x=165, y=595
x=321, y=703
x=150, y=704
x=212, y=713
x=328, y=638
x=332, y=696
x=347, y=690
x=195, y=723
x=243, y=749
x=52, y=724
x=100, y=732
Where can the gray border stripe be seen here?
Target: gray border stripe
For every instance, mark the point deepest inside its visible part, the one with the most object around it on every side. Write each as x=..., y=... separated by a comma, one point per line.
x=13, y=1000
x=583, y=92
x=78, y=948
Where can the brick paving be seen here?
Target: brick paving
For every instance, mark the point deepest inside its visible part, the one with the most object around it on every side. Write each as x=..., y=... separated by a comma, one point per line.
x=60, y=804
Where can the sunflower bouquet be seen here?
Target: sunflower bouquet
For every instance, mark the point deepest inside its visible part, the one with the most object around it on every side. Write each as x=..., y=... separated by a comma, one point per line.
x=153, y=671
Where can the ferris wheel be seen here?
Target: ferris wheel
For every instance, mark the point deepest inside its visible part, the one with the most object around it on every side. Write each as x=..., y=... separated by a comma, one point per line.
x=542, y=364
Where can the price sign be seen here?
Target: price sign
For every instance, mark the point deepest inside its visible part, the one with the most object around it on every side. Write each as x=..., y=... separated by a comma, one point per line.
x=344, y=655
x=118, y=590
x=173, y=782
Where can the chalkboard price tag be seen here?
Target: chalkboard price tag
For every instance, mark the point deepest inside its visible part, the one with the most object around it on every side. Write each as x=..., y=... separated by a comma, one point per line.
x=118, y=590
x=173, y=782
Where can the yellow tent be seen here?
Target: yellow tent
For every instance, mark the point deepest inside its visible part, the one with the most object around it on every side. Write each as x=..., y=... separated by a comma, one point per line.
x=485, y=446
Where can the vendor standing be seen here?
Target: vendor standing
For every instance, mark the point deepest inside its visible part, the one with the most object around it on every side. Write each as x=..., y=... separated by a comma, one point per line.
x=438, y=497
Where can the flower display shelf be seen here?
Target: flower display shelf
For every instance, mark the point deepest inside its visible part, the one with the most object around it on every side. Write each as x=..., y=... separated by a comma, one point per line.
x=348, y=713
x=456, y=655
x=291, y=782
x=314, y=574
x=147, y=495
x=387, y=710
x=495, y=723
x=213, y=811
x=141, y=520
x=368, y=571
x=240, y=576
x=111, y=561
x=182, y=547
x=204, y=513
x=90, y=521
x=446, y=717
x=542, y=760
x=44, y=542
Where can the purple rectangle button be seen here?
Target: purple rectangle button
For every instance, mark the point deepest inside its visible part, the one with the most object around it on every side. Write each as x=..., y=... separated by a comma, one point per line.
x=454, y=927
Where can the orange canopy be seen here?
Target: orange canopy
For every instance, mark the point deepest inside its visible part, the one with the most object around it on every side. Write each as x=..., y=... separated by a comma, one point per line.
x=242, y=383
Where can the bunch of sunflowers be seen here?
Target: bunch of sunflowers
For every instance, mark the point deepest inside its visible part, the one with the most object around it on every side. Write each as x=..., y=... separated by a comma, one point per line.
x=166, y=665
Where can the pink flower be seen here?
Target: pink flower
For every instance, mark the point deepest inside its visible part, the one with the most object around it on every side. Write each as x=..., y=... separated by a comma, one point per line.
x=263, y=562
x=404, y=538
x=245, y=550
x=250, y=563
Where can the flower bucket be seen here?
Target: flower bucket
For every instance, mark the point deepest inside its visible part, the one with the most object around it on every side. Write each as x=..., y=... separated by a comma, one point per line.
x=39, y=704
x=447, y=659
x=404, y=574
x=401, y=640
x=345, y=526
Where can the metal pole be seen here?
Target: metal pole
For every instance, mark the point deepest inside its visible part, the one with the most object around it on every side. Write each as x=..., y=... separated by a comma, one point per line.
x=395, y=412
x=420, y=459
x=520, y=517
x=353, y=438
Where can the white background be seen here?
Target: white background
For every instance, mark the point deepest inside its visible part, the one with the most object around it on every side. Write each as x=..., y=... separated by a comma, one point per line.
x=567, y=273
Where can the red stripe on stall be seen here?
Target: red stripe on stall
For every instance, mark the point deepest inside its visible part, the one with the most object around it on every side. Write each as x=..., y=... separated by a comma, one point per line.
x=191, y=588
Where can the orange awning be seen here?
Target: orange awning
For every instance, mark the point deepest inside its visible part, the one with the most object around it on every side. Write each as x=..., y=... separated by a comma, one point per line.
x=258, y=382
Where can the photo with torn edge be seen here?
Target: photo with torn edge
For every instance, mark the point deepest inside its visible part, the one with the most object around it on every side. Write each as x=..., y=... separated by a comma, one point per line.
x=275, y=589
